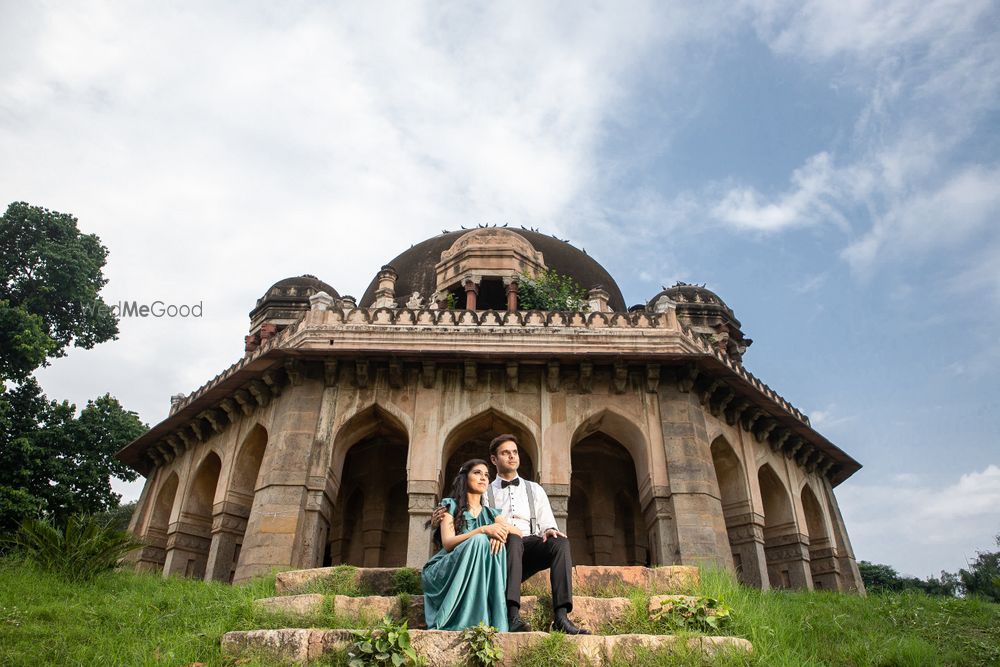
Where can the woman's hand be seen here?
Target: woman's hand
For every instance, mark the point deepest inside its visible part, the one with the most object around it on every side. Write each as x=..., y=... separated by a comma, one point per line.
x=495, y=546
x=496, y=531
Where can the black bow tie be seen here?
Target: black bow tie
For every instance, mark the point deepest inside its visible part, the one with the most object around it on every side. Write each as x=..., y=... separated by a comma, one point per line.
x=514, y=482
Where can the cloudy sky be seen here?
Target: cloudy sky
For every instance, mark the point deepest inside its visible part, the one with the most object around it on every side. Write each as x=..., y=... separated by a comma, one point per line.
x=831, y=169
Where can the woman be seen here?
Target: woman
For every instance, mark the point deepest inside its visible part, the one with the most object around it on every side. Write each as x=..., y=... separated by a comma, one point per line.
x=465, y=581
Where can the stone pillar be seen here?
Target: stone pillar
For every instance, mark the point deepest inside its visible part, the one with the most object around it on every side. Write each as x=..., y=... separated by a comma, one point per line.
x=511, y=284
x=423, y=499
x=825, y=567
x=275, y=535
x=228, y=526
x=787, y=556
x=385, y=295
x=316, y=528
x=850, y=576
x=746, y=539
x=187, y=547
x=701, y=527
x=597, y=299
x=471, y=285
x=559, y=500
x=659, y=516
x=320, y=301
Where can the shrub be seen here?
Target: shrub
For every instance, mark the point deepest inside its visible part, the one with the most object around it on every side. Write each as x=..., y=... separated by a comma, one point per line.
x=482, y=642
x=684, y=612
x=83, y=548
x=388, y=643
x=550, y=290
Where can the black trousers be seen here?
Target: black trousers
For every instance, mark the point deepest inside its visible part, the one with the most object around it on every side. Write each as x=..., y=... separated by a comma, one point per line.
x=528, y=555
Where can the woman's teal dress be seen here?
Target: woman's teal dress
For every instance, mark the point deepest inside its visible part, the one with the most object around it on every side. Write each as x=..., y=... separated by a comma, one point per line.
x=467, y=584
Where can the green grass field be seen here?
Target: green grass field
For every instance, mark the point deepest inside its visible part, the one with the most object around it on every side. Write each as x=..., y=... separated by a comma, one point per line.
x=128, y=619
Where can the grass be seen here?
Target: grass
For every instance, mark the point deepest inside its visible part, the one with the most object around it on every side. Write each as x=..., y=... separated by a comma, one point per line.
x=123, y=618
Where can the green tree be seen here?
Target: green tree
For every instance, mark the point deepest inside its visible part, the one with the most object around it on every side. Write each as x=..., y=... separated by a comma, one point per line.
x=983, y=576
x=884, y=578
x=49, y=295
x=56, y=463
x=550, y=290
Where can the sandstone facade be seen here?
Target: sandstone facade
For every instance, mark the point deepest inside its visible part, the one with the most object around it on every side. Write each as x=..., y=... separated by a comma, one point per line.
x=333, y=438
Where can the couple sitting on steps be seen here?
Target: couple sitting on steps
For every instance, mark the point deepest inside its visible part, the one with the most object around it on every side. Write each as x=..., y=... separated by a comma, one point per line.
x=491, y=536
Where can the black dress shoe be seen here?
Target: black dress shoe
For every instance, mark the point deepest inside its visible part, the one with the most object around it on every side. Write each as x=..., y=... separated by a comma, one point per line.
x=518, y=624
x=563, y=624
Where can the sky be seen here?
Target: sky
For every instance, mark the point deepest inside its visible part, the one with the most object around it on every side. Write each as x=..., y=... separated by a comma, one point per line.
x=830, y=169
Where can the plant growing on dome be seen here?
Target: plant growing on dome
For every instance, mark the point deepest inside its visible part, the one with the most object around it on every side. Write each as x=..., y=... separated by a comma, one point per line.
x=550, y=290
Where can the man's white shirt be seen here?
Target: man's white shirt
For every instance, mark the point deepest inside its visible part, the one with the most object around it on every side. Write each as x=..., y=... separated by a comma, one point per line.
x=512, y=502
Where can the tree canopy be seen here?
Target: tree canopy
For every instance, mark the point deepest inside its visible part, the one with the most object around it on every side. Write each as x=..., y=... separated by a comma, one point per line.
x=50, y=292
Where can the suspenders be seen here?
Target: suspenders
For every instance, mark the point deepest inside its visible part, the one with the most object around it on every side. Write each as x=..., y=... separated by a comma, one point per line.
x=533, y=520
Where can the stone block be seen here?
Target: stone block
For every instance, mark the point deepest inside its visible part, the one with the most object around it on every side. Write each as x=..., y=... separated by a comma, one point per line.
x=294, y=605
x=370, y=608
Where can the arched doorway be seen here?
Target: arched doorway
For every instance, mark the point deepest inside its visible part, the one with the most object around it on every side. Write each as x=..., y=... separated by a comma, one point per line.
x=605, y=521
x=189, y=542
x=822, y=554
x=786, y=555
x=744, y=529
x=370, y=517
x=471, y=440
x=229, y=529
x=155, y=552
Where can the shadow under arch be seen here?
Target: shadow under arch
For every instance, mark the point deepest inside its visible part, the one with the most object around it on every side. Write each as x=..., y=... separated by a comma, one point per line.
x=606, y=523
x=191, y=536
x=786, y=555
x=742, y=531
x=155, y=535
x=823, y=563
x=370, y=518
x=470, y=439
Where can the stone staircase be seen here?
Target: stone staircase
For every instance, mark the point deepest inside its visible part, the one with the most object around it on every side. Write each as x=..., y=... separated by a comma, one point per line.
x=599, y=604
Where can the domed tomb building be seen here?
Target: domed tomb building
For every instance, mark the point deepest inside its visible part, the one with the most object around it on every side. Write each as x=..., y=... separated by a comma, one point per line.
x=332, y=439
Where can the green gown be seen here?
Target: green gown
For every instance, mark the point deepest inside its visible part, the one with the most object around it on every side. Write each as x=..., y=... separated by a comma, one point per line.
x=467, y=584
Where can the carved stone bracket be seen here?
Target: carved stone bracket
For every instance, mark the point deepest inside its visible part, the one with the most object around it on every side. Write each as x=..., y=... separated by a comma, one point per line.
x=826, y=466
x=245, y=400
x=155, y=456
x=470, y=377
x=512, y=375
x=188, y=438
x=750, y=418
x=260, y=392
x=361, y=368
x=552, y=376
x=706, y=390
x=734, y=412
x=330, y=368
x=586, y=377
x=230, y=407
x=198, y=431
x=620, y=377
x=274, y=381
x=176, y=444
x=652, y=378
x=293, y=369
x=396, y=374
x=793, y=445
x=215, y=418
x=720, y=400
x=686, y=377
x=766, y=426
x=778, y=441
x=428, y=371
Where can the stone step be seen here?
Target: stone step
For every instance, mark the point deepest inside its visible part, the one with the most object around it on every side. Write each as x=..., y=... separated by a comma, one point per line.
x=442, y=648
x=593, y=580
x=593, y=613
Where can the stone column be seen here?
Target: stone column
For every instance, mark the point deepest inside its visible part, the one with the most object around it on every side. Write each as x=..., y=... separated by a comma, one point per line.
x=559, y=500
x=188, y=542
x=746, y=539
x=598, y=298
x=787, y=556
x=471, y=285
x=850, y=576
x=825, y=567
x=385, y=295
x=511, y=284
x=422, y=496
x=228, y=526
x=315, y=528
x=659, y=516
x=701, y=527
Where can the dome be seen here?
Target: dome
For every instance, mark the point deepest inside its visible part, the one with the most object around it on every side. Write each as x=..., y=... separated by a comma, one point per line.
x=694, y=298
x=295, y=289
x=417, y=272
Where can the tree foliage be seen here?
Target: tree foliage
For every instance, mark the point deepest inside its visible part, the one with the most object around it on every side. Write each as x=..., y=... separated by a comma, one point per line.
x=49, y=294
x=550, y=290
x=983, y=576
x=55, y=463
x=885, y=578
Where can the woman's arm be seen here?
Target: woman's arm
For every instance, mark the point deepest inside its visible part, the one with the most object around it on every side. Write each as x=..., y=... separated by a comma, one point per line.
x=449, y=540
x=509, y=525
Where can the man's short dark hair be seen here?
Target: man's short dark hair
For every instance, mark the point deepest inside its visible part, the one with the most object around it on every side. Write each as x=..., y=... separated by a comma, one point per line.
x=499, y=440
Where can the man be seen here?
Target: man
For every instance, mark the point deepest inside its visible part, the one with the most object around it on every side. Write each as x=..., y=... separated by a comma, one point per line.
x=534, y=543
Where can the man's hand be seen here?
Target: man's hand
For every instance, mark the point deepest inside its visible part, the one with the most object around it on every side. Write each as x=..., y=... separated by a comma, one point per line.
x=495, y=546
x=437, y=516
x=553, y=533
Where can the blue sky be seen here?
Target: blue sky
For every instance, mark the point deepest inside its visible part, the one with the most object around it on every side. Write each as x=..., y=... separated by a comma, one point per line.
x=831, y=169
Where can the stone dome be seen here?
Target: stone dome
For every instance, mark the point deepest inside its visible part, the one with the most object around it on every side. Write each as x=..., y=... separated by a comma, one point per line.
x=694, y=297
x=417, y=272
x=707, y=314
x=296, y=289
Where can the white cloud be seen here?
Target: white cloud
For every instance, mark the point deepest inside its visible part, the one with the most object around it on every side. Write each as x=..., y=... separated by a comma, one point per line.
x=920, y=526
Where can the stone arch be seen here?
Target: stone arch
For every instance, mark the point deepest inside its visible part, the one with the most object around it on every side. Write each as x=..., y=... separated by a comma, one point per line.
x=190, y=538
x=155, y=536
x=786, y=551
x=822, y=551
x=470, y=438
x=229, y=524
x=625, y=431
x=368, y=464
x=744, y=528
x=604, y=504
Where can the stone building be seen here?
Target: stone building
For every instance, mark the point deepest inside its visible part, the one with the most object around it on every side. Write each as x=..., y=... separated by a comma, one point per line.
x=331, y=440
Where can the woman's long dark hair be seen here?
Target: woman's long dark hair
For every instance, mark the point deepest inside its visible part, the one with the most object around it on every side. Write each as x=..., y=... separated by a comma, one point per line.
x=460, y=494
